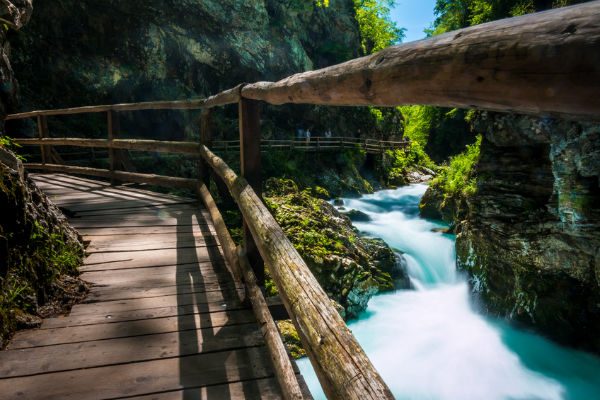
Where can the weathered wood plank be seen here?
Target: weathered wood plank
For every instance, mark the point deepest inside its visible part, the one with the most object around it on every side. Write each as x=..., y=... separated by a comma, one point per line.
x=256, y=389
x=150, y=258
x=157, y=276
x=542, y=63
x=122, y=292
x=111, y=330
x=134, y=315
x=206, y=301
x=201, y=370
x=73, y=356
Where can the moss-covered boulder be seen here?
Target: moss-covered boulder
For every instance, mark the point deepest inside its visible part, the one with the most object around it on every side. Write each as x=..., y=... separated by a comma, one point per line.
x=39, y=252
x=350, y=268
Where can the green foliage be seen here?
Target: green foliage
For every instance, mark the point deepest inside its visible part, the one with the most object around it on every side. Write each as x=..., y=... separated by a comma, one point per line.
x=396, y=164
x=377, y=30
x=456, y=14
x=458, y=177
x=322, y=3
x=6, y=142
x=418, y=122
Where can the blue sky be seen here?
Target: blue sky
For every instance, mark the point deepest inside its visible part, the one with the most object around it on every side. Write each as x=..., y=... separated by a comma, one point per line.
x=415, y=16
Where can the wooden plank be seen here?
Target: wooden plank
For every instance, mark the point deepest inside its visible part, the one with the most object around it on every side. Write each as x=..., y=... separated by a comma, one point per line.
x=151, y=258
x=158, y=276
x=106, y=330
x=259, y=389
x=123, y=292
x=134, y=315
x=143, y=377
x=111, y=247
x=542, y=63
x=73, y=356
x=145, y=230
x=217, y=301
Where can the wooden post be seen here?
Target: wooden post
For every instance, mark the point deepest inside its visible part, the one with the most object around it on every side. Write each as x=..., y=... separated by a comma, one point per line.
x=249, y=120
x=113, y=127
x=42, y=123
x=205, y=139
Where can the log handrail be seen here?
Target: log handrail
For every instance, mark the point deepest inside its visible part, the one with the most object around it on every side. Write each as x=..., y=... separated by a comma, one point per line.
x=193, y=148
x=544, y=63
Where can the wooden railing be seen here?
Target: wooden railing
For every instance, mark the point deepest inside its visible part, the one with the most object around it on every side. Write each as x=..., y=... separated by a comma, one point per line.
x=544, y=64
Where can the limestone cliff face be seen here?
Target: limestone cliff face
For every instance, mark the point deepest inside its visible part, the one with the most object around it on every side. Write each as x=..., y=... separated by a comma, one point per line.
x=531, y=239
x=15, y=14
x=77, y=52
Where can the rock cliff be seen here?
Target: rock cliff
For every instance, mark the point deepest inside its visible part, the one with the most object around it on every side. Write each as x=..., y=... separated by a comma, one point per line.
x=15, y=14
x=531, y=238
x=81, y=52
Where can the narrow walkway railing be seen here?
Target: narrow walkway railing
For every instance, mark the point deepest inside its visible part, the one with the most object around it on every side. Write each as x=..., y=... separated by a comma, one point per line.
x=543, y=64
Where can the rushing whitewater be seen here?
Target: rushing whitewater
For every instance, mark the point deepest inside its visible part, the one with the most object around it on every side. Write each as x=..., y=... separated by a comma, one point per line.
x=431, y=343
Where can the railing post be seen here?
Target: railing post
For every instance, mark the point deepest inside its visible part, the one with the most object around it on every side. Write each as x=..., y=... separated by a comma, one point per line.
x=113, y=127
x=206, y=140
x=250, y=165
x=42, y=123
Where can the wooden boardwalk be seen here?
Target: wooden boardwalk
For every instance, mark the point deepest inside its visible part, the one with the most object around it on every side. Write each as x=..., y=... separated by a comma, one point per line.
x=164, y=318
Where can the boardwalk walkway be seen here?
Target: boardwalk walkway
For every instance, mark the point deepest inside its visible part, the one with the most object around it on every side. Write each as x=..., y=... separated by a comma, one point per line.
x=164, y=318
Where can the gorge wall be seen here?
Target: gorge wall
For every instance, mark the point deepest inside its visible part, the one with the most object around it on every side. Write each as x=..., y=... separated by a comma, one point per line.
x=83, y=52
x=531, y=239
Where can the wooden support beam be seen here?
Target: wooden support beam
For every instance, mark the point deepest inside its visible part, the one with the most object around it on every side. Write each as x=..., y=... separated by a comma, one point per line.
x=344, y=370
x=250, y=165
x=544, y=64
x=206, y=140
x=42, y=123
x=112, y=127
x=230, y=96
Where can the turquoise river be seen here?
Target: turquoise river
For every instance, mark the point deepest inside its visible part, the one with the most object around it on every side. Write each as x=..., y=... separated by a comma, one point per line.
x=433, y=343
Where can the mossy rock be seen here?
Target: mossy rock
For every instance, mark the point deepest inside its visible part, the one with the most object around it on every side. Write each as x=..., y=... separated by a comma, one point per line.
x=350, y=268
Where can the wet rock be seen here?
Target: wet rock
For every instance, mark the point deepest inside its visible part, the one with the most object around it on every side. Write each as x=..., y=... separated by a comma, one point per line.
x=338, y=202
x=531, y=237
x=357, y=216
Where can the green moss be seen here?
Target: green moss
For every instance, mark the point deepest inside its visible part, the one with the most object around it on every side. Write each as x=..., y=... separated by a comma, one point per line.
x=291, y=339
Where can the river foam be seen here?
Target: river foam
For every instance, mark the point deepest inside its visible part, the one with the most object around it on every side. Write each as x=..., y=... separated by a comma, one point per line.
x=431, y=343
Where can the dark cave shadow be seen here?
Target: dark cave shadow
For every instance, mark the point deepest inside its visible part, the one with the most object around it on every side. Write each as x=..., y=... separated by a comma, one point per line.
x=192, y=278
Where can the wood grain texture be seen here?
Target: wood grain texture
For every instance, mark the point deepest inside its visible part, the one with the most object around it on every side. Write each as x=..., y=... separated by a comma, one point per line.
x=546, y=63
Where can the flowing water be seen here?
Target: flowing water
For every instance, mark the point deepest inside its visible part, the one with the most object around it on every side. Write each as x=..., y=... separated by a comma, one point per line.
x=431, y=343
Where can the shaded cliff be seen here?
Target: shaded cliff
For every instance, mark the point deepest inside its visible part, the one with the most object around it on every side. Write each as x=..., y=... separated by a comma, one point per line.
x=531, y=236
x=15, y=14
x=81, y=52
